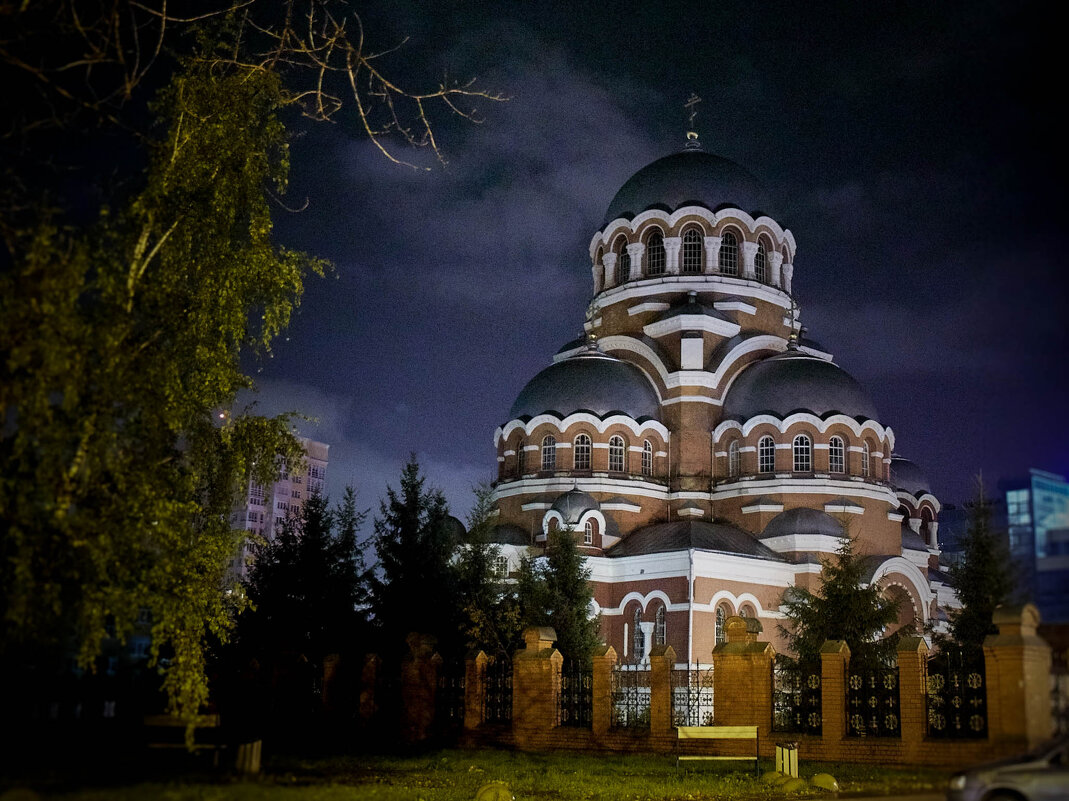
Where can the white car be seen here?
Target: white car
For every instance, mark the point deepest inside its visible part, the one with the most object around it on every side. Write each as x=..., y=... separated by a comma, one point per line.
x=1040, y=775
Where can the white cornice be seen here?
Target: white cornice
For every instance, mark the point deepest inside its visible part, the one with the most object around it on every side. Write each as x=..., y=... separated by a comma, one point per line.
x=804, y=486
x=599, y=425
x=681, y=284
x=692, y=322
x=822, y=426
x=802, y=543
x=652, y=306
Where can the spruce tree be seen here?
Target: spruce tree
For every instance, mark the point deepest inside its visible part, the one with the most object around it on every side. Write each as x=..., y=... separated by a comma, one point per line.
x=844, y=607
x=414, y=586
x=983, y=579
x=555, y=591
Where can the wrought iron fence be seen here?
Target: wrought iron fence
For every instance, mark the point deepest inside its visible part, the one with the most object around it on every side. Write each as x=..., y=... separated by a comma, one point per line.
x=872, y=707
x=630, y=696
x=956, y=694
x=497, y=703
x=575, y=703
x=692, y=696
x=449, y=698
x=796, y=698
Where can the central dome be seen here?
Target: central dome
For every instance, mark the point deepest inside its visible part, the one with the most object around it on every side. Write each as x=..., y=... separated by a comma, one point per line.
x=688, y=178
x=588, y=383
x=795, y=382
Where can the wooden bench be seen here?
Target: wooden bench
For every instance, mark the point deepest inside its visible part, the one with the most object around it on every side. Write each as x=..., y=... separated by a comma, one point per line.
x=720, y=733
x=169, y=732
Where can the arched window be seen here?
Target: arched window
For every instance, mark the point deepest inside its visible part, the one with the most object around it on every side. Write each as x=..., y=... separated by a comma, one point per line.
x=581, y=450
x=647, y=458
x=865, y=460
x=733, y=458
x=720, y=632
x=638, y=641
x=521, y=458
x=747, y=610
x=549, y=452
x=836, y=455
x=660, y=631
x=623, y=261
x=766, y=455
x=692, y=252
x=617, y=448
x=655, y=257
x=803, y=454
x=588, y=533
x=729, y=254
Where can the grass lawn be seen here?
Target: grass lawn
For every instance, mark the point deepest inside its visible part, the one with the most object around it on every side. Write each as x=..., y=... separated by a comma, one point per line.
x=455, y=775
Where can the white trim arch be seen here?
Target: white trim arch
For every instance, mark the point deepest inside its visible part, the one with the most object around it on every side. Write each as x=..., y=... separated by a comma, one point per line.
x=821, y=425
x=781, y=236
x=905, y=568
x=601, y=426
x=589, y=514
x=917, y=500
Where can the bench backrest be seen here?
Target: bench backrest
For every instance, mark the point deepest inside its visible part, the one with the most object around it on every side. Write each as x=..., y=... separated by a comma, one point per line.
x=717, y=732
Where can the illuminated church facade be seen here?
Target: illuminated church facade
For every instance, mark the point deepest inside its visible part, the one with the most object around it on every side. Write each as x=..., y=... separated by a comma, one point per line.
x=705, y=454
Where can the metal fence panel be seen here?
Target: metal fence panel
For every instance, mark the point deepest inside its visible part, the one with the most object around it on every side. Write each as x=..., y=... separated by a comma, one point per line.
x=497, y=703
x=575, y=704
x=796, y=698
x=872, y=706
x=630, y=696
x=956, y=694
x=692, y=696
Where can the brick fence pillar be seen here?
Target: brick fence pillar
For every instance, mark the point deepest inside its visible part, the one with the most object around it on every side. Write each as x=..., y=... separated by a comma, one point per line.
x=604, y=661
x=535, y=685
x=742, y=678
x=1018, y=662
x=912, y=695
x=419, y=685
x=368, y=676
x=474, y=688
x=834, y=658
x=662, y=659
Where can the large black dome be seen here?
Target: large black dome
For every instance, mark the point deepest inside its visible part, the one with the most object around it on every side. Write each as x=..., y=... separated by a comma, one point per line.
x=688, y=178
x=796, y=382
x=588, y=383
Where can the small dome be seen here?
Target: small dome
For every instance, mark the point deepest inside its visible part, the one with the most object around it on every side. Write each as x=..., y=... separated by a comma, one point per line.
x=796, y=382
x=906, y=476
x=509, y=534
x=802, y=521
x=574, y=504
x=589, y=382
x=688, y=178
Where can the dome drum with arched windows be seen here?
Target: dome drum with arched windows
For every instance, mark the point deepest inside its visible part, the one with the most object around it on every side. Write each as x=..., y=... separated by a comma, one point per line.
x=705, y=451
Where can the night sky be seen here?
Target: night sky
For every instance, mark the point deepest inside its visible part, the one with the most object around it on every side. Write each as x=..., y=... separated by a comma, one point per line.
x=915, y=152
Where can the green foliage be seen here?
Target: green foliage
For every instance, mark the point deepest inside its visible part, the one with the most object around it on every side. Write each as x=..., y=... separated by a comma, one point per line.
x=307, y=587
x=414, y=587
x=121, y=343
x=489, y=611
x=843, y=608
x=555, y=591
x=983, y=579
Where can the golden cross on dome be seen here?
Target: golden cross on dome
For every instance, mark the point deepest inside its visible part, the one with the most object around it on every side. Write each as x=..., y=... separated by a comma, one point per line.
x=692, y=106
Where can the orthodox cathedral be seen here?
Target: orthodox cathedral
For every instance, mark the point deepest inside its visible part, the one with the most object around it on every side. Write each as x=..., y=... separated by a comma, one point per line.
x=706, y=454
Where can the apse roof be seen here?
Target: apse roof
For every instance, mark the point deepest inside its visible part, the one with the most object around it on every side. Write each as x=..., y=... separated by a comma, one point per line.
x=802, y=520
x=573, y=504
x=682, y=535
x=688, y=178
x=792, y=382
x=588, y=382
x=907, y=476
x=509, y=534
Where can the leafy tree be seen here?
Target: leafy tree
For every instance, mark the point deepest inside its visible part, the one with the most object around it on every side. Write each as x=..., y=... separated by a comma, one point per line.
x=307, y=586
x=489, y=611
x=983, y=579
x=414, y=587
x=555, y=591
x=844, y=607
x=120, y=344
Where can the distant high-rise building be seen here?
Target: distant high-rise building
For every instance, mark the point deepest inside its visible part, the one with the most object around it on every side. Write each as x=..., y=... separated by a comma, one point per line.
x=1037, y=517
x=264, y=509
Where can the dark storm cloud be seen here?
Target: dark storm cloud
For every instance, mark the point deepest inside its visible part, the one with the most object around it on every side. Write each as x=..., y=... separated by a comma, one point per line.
x=921, y=185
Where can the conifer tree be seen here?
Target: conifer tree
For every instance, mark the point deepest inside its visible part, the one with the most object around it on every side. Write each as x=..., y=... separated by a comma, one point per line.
x=414, y=586
x=983, y=579
x=490, y=614
x=844, y=607
x=555, y=591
